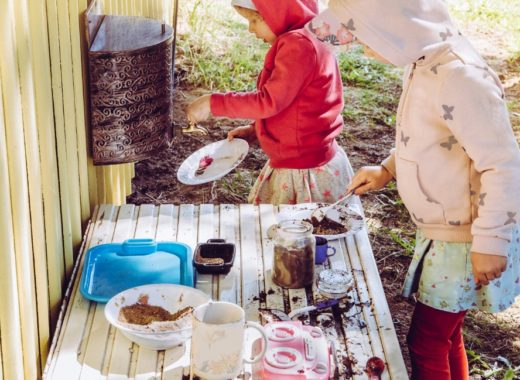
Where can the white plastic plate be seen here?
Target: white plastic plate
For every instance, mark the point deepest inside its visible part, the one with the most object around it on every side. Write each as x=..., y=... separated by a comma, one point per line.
x=226, y=156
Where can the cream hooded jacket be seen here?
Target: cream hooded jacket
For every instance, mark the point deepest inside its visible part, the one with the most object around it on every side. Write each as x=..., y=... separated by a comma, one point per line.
x=456, y=161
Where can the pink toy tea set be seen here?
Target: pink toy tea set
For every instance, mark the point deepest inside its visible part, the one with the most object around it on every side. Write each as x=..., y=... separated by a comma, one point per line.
x=294, y=352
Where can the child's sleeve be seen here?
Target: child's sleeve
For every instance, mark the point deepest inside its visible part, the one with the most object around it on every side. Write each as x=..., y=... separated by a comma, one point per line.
x=471, y=101
x=294, y=66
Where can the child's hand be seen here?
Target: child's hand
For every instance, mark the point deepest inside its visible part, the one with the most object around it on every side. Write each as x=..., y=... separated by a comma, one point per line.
x=246, y=132
x=487, y=267
x=369, y=178
x=199, y=109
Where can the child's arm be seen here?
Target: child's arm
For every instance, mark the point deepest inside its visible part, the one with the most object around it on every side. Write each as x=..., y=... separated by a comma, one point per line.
x=487, y=267
x=479, y=122
x=199, y=109
x=284, y=84
x=370, y=178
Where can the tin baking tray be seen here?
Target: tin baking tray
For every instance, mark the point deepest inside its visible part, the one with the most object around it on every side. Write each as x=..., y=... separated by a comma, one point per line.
x=112, y=268
x=214, y=257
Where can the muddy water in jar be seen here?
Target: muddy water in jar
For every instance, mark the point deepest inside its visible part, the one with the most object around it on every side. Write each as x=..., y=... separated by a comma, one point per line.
x=294, y=251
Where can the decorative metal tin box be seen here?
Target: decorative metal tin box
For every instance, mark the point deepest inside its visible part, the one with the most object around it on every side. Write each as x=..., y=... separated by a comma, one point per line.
x=130, y=71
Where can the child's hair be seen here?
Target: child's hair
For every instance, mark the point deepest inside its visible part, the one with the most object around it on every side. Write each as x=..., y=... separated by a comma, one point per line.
x=248, y=13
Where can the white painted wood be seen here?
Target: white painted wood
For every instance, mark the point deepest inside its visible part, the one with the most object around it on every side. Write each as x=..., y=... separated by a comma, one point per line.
x=119, y=348
x=354, y=324
x=274, y=297
x=229, y=284
x=67, y=364
x=207, y=229
x=365, y=302
x=388, y=335
x=171, y=362
x=251, y=248
x=118, y=358
x=95, y=358
x=327, y=319
x=10, y=329
x=69, y=294
x=251, y=266
x=146, y=365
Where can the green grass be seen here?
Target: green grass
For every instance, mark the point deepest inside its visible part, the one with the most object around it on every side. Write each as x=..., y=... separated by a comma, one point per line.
x=215, y=48
x=371, y=89
x=493, y=15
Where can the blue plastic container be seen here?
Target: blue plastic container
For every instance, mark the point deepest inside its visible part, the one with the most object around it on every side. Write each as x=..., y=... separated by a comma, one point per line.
x=112, y=268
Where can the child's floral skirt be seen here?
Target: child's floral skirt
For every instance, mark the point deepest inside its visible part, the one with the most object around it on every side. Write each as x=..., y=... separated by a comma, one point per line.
x=441, y=273
x=326, y=183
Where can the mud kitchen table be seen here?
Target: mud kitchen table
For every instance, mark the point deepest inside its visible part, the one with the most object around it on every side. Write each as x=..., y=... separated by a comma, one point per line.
x=86, y=347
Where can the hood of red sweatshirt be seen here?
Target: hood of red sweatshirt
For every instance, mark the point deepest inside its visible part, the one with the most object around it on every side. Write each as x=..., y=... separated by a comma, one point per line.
x=285, y=15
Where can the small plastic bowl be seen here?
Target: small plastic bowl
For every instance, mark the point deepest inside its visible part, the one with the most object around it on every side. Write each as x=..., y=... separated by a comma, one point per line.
x=168, y=296
x=214, y=257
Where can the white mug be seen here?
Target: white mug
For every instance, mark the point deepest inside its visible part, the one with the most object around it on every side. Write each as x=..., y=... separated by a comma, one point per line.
x=217, y=342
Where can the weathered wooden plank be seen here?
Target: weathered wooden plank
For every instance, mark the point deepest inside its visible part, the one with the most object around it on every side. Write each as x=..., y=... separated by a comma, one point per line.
x=10, y=329
x=364, y=301
x=358, y=342
x=99, y=338
x=19, y=135
x=330, y=322
x=119, y=348
x=251, y=250
x=229, y=284
x=382, y=314
x=251, y=266
x=69, y=295
x=68, y=353
x=146, y=365
x=208, y=228
x=170, y=363
x=274, y=295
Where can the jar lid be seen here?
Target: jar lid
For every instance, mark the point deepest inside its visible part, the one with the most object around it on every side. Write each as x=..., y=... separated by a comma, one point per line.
x=334, y=283
x=295, y=226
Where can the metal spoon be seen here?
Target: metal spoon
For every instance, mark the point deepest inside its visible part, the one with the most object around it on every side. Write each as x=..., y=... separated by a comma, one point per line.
x=320, y=213
x=274, y=315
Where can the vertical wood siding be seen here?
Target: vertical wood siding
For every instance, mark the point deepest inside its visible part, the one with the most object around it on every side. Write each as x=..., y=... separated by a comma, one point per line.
x=48, y=185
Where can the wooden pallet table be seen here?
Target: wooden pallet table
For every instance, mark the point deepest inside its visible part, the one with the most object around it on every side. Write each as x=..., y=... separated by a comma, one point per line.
x=86, y=347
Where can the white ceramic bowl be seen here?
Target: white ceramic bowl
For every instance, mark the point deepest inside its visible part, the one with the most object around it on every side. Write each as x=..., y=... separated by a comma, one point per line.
x=346, y=215
x=168, y=296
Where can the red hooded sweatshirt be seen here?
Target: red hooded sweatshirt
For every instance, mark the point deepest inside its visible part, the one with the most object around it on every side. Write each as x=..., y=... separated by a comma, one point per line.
x=299, y=97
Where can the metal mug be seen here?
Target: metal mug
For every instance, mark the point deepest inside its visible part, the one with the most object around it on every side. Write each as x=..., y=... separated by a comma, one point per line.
x=217, y=342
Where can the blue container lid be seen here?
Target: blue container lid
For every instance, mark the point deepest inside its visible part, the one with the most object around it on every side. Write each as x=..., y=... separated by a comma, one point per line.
x=112, y=268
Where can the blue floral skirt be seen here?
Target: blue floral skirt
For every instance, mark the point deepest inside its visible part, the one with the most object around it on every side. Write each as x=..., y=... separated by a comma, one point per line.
x=441, y=274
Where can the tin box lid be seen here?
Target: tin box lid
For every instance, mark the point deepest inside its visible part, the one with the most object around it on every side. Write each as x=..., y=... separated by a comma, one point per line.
x=111, y=268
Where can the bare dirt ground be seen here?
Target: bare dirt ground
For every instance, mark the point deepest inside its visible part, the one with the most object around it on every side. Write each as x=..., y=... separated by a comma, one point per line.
x=155, y=182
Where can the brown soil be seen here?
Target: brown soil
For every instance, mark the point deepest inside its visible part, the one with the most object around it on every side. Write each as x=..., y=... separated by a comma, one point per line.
x=144, y=314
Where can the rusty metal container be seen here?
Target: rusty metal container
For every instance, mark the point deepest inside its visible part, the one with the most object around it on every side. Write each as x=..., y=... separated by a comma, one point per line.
x=130, y=72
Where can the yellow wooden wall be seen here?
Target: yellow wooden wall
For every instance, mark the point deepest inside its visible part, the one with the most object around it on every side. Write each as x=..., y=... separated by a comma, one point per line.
x=48, y=185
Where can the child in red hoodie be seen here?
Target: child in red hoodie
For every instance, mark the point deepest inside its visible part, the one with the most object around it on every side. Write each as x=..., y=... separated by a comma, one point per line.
x=296, y=107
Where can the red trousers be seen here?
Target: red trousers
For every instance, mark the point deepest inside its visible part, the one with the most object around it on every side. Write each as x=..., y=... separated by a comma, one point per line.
x=436, y=347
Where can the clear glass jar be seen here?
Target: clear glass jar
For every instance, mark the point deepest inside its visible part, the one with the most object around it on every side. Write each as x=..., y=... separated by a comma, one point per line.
x=294, y=251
